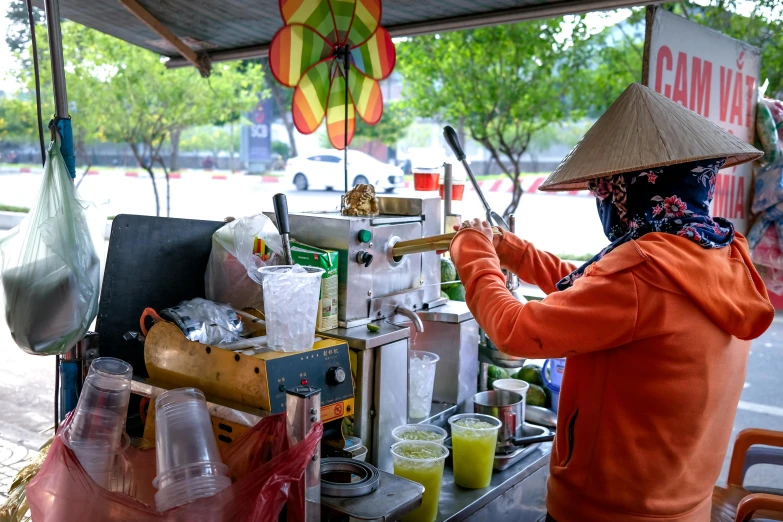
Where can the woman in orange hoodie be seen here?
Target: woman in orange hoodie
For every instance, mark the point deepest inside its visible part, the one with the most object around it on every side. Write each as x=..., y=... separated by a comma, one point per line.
x=655, y=330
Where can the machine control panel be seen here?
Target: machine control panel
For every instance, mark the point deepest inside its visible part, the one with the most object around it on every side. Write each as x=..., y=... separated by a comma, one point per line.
x=322, y=368
x=364, y=258
x=365, y=236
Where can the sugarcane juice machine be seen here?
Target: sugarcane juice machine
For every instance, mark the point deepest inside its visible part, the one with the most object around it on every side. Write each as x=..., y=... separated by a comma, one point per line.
x=398, y=294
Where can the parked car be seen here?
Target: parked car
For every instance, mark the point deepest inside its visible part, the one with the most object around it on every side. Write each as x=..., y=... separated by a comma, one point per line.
x=323, y=169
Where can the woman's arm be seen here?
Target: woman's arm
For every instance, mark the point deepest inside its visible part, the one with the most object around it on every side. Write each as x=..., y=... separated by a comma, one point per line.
x=534, y=267
x=598, y=312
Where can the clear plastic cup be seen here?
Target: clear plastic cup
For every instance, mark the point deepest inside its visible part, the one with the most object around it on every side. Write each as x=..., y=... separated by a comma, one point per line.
x=423, y=432
x=421, y=462
x=95, y=434
x=421, y=381
x=189, y=465
x=426, y=179
x=291, y=297
x=473, y=441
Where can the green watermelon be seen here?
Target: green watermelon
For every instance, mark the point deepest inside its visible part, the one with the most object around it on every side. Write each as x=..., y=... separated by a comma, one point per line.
x=536, y=396
x=447, y=270
x=456, y=292
x=530, y=374
x=495, y=373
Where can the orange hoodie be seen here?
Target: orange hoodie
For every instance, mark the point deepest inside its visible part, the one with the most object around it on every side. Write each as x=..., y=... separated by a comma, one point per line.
x=656, y=335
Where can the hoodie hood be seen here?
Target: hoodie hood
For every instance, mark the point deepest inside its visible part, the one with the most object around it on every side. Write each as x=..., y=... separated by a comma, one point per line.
x=723, y=281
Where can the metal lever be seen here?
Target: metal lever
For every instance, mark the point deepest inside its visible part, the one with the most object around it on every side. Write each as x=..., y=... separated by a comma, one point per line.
x=451, y=138
x=303, y=410
x=281, y=216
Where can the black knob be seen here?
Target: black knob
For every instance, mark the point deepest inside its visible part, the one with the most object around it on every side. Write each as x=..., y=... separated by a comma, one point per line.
x=335, y=375
x=364, y=258
x=451, y=138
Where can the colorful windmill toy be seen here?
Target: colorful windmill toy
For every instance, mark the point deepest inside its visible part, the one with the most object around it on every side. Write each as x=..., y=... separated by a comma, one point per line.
x=323, y=43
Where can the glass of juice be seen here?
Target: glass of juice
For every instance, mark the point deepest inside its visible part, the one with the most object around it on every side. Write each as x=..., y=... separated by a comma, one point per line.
x=473, y=441
x=422, y=462
x=457, y=190
x=426, y=432
x=426, y=179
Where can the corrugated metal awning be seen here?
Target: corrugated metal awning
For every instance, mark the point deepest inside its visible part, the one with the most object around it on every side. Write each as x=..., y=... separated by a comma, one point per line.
x=233, y=29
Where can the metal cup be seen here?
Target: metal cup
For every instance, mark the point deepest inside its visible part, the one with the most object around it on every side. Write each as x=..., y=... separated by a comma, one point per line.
x=506, y=406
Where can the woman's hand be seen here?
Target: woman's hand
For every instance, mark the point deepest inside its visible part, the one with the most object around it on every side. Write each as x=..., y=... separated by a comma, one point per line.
x=482, y=226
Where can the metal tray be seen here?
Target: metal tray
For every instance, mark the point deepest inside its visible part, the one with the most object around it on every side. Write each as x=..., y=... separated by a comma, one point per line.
x=503, y=462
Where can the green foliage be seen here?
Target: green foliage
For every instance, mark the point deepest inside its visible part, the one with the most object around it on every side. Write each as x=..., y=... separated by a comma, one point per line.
x=282, y=148
x=507, y=82
x=392, y=127
x=209, y=138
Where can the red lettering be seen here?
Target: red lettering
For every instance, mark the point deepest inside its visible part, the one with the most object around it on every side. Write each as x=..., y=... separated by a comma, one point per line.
x=736, y=107
x=664, y=55
x=681, y=80
x=725, y=91
x=701, y=80
x=750, y=83
x=739, y=198
x=721, y=201
x=729, y=198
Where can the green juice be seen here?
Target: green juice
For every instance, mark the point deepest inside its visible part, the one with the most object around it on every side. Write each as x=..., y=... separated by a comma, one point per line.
x=473, y=444
x=424, y=465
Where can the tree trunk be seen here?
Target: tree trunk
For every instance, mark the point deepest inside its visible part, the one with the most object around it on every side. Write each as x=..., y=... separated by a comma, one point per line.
x=516, y=195
x=83, y=175
x=168, y=186
x=148, y=168
x=231, y=158
x=174, y=135
x=285, y=114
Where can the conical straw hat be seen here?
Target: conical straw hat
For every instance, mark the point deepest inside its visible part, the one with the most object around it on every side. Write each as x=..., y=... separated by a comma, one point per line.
x=643, y=129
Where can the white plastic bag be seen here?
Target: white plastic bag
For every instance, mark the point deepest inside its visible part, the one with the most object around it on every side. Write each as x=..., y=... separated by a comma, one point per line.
x=50, y=270
x=232, y=259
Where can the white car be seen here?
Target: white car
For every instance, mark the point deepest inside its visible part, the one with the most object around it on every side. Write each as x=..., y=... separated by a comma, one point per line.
x=323, y=169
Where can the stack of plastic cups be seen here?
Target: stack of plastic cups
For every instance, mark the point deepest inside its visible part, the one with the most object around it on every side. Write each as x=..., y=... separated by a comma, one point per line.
x=97, y=432
x=189, y=466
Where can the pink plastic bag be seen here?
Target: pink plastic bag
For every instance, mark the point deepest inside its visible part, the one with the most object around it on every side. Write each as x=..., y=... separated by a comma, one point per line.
x=265, y=472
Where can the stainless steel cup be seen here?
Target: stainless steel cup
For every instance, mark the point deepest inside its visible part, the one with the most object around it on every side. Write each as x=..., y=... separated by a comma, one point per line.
x=506, y=406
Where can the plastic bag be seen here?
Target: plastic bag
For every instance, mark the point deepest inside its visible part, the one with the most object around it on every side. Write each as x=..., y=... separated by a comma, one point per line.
x=767, y=133
x=768, y=251
x=233, y=257
x=50, y=270
x=205, y=322
x=265, y=472
x=768, y=187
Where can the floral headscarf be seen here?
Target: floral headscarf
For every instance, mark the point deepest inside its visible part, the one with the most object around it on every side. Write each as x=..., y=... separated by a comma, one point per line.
x=674, y=200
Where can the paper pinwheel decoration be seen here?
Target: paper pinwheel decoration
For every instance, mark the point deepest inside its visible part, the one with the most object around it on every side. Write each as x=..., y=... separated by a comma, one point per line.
x=323, y=43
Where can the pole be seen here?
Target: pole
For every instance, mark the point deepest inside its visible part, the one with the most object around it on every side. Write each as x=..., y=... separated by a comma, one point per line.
x=69, y=367
x=347, y=62
x=61, y=116
x=56, y=52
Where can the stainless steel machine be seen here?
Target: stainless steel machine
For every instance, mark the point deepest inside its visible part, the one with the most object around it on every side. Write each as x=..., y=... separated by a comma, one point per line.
x=401, y=295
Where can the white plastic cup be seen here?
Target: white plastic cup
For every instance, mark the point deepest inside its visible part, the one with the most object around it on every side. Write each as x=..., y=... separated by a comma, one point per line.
x=423, y=432
x=421, y=462
x=96, y=432
x=189, y=466
x=421, y=382
x=291, y=305
x=512, y=385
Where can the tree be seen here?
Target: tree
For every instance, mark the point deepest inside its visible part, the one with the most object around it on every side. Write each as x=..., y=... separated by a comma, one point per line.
x=123, y=93
x=17, y=35
x=282, y=97
x=507, y=82
x=392, y=128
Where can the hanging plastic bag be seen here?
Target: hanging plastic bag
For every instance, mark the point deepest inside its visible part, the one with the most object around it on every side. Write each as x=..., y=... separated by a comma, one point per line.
x=234, y=255
x=50, y=269
x=267, y=474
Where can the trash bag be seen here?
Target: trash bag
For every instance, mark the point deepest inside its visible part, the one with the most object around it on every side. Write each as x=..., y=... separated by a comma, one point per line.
x=233, y=256
x=50, y=269
x=266, y=473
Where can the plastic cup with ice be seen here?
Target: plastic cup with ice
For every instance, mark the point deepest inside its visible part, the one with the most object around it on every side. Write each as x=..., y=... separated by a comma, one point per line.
x=421, y=381
x=291, y=297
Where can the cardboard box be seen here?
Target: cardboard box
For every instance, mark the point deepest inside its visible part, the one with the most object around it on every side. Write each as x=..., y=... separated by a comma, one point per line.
x=306, y=255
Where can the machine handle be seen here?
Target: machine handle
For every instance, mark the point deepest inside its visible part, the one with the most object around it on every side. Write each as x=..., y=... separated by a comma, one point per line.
x=148, y=312
x=509, y=425
x=281, y=213
x=451, y=138
x=427, y=244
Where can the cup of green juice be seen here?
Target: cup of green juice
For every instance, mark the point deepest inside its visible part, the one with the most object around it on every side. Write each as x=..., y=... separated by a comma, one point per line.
x=421, y=462
x=473, y=441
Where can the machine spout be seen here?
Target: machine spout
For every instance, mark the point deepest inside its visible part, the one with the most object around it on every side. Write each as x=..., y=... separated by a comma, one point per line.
x=410, y=314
